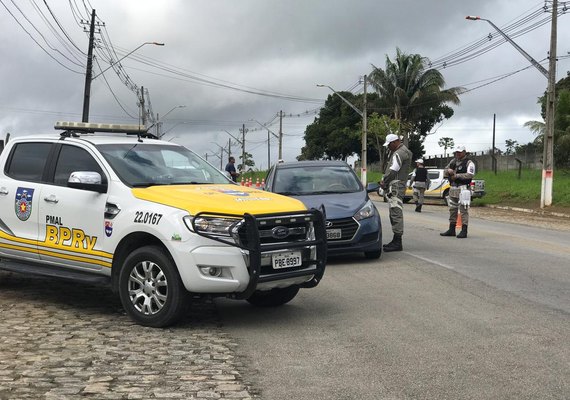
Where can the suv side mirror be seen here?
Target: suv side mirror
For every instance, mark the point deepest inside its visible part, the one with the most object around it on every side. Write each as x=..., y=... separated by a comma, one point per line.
x=87, y=180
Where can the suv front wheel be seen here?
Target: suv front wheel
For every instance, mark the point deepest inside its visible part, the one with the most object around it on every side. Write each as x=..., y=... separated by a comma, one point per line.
x=150, y=288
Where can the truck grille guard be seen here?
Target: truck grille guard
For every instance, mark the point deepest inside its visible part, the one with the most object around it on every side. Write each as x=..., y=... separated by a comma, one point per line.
x=249, y=239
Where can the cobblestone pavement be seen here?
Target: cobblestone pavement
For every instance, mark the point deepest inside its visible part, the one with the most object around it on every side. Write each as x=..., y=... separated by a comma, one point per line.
x=63, y=340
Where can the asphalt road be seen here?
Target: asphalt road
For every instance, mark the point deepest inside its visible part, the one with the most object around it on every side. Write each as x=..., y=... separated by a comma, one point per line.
x=487, y=317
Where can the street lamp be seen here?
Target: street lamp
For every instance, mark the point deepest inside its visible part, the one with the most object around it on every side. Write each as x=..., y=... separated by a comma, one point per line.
x=364, y=129
x=548, y=142
x=89, y=78
x=125, y=56
x=159, y=123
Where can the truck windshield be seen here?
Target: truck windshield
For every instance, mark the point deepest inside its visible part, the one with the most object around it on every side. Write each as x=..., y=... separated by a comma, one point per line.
x=150, y=164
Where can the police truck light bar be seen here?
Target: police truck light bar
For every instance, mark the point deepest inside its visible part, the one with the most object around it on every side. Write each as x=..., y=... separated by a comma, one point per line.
x=95, y=127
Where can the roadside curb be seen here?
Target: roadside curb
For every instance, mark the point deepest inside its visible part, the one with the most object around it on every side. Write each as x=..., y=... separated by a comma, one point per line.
x=529, y=211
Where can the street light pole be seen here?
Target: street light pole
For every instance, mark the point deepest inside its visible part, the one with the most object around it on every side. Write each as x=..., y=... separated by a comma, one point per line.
x=88, y=74
x=125, y=56
x=363, y=157
x=159, y=123
x=548, y=137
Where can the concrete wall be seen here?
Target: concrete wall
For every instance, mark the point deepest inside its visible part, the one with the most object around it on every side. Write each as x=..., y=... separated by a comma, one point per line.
x=484, y=161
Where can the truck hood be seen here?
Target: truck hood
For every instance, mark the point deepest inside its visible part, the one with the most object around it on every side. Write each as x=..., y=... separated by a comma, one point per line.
x=228, y=199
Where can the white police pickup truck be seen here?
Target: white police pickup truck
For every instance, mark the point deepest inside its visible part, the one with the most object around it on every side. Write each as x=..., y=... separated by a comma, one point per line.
x=102, y=203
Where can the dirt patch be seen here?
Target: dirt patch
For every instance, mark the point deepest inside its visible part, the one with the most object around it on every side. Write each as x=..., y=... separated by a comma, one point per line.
x=525, y=216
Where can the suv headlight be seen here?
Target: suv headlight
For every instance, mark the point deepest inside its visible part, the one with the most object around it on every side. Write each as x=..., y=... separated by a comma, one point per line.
x=212, y=225
x=367, y=211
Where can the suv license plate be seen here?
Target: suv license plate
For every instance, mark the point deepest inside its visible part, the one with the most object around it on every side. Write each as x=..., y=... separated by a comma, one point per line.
x=287, y=260
x=334, y=233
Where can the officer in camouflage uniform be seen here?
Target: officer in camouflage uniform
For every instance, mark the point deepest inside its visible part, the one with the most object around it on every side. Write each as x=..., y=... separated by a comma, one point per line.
x=420, y=183
x=394, y=185
x=460, y=172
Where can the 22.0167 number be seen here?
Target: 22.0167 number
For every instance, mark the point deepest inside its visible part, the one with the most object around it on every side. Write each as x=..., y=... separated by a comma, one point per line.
x=147, y=218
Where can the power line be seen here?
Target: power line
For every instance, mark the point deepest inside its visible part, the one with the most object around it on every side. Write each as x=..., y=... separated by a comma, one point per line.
x=39, y=45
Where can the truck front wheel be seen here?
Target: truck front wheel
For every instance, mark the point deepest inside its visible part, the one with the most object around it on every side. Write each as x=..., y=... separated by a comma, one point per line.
x=150, y=288
x=274, y=297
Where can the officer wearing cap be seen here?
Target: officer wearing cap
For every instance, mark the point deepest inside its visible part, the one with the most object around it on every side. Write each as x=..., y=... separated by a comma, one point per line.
x=394, y=184
x=419, y=182
x=460, y=172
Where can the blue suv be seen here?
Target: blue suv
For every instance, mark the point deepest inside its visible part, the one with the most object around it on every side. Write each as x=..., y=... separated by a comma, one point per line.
x=352, y=220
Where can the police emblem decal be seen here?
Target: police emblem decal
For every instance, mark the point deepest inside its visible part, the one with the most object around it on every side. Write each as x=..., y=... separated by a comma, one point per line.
x=108, y=228
x=24, y=197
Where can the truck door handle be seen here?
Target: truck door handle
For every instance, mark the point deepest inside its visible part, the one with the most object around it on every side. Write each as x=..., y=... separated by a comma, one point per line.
x=3, y=191
x=51, y=199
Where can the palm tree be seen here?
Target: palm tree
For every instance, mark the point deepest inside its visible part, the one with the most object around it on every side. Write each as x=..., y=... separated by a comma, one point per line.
x=412, y=90
x=537, y=128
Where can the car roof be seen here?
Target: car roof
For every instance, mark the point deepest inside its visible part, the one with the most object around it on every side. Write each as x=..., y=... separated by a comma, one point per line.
x=312, y=163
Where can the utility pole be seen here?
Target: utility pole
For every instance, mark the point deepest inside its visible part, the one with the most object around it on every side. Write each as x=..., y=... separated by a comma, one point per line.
x=281, y=135
x=268, y=150
x=143, y=112
x=548, y=154
x=243, y=131
x=493, y=159
x=548, y=137
x=89, y=71
x=364, y=138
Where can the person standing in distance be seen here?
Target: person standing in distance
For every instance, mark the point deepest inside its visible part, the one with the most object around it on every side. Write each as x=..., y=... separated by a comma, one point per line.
x=420, y=182
x=231, y=169
x=460, y=172
x=394, y=184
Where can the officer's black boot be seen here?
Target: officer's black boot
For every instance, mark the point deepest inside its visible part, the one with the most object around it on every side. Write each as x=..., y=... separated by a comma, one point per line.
x=395, y=244
x=419, y=208
x=450, y=231
x=463, y=233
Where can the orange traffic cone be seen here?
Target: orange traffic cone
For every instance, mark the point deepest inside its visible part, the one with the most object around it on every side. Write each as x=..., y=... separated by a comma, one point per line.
x=257, y=184
x=263, y=183
x=458, y=223
x=242, y=182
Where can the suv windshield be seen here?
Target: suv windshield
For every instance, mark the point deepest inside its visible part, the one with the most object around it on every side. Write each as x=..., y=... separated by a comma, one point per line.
x=149, y=164
x=316, y=180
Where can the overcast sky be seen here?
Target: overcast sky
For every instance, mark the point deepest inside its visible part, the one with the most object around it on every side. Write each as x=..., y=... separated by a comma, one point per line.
x=233, y=61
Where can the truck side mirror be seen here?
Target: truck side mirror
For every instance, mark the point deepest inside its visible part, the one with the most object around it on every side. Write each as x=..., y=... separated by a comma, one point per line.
x=87, y=180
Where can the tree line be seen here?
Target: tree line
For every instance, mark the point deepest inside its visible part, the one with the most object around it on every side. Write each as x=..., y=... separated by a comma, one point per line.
x=409, y=98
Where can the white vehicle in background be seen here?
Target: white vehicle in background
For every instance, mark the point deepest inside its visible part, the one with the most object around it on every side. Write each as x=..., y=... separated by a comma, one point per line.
x=439, y=187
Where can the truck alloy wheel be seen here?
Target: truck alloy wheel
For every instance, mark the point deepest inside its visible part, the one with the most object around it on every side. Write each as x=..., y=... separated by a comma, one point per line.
x=150, y=288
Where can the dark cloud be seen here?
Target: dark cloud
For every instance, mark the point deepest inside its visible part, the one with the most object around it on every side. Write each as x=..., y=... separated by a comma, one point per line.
x=280, y=46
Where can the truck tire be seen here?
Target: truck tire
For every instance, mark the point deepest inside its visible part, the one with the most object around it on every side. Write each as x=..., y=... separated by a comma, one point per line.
x=274, y=297
x=150, y=288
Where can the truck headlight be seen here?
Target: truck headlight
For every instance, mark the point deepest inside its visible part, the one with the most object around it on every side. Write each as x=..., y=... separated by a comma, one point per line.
x=211, y=225
x=367, y=211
